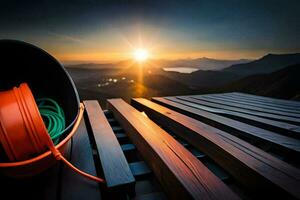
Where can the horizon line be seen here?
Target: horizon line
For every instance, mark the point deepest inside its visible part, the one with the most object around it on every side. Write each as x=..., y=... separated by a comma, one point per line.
x=116, y=61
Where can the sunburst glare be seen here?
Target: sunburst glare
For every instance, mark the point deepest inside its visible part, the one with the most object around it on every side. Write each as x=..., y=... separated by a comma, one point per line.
x=141, y=55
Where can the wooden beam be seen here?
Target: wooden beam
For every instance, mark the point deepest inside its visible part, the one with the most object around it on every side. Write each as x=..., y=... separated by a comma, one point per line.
x=180, y=173
x=260, y=172
x=255, y=103
x=288, y=103
x=139, y=169
x=114, y=164
x=250, y=108
x=273, y=125
x=289, y=146
x=246, y=109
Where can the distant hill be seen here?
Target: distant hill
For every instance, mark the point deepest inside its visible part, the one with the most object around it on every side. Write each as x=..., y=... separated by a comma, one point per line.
x=266, y=64
x=201, y=63
x=284, y=83
x=112, y=83
x=203, y=79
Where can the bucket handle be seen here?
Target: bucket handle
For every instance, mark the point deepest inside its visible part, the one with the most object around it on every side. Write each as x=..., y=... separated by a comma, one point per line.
x=59, y=156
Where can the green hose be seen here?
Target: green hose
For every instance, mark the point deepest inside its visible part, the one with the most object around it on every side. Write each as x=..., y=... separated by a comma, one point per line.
x=53, y=116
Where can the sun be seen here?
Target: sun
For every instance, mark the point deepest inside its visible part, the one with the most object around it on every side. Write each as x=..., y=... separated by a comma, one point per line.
x=141, y=55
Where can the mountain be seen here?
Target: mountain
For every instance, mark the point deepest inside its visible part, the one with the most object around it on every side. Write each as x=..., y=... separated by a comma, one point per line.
x=284, y=83
x=203, y=79
x=102, y=84
x=266, y=64
x=201, y=63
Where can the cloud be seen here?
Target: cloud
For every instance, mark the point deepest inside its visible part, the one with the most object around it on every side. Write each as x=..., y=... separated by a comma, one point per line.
x=65, y=37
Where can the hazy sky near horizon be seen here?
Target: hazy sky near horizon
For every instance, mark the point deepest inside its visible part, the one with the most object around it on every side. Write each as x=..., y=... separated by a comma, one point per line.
x=107, y=30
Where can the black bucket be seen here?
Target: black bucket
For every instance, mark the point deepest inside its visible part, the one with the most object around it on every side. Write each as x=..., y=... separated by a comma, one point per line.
x=22, y=62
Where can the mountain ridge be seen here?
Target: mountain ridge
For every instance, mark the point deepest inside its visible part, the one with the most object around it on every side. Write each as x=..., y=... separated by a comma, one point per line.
x=266, y=64
x=203, y=63
x=283, y=83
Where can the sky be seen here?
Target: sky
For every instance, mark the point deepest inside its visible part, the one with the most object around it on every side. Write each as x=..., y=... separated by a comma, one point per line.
x=107, y=30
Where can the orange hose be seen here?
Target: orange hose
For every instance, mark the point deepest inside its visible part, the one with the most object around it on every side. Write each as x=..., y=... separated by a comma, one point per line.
x=94, y=178
x=58, y=155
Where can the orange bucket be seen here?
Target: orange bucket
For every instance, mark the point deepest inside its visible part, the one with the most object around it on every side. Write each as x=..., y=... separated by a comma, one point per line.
x=23, y=134
x=24, y=138
x=25, y=63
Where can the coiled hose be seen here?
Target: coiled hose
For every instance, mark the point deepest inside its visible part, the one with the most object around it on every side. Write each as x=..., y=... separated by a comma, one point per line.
x=53, y=116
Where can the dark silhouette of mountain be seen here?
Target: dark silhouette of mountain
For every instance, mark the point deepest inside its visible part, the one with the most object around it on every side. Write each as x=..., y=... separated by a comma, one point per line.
x=284, y=83
x=201, y=63
x=266, y=64
x=203, y=79
x=111, y=83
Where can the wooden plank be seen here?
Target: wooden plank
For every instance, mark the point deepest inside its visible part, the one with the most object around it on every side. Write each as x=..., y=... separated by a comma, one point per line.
x=293, y=104
x=238, y=108
x=181, y=174
x=259, y=102
x=121, y=135
x=111, y=120
x=239, y=104
x=267, y=99
x=286, y=128
x=74, y=186
x=139, y=168
x=117, y=129
x=183, y=143
x=285, y=144
x=216, y=169
x=254, y=103
x=122, y=138
x=196, y=153
x=127, y=147
x=114, y=165
x=260, y=172
x=146, y=186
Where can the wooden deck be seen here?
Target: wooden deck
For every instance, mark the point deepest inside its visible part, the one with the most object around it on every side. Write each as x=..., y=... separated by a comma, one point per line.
x=215, y=146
